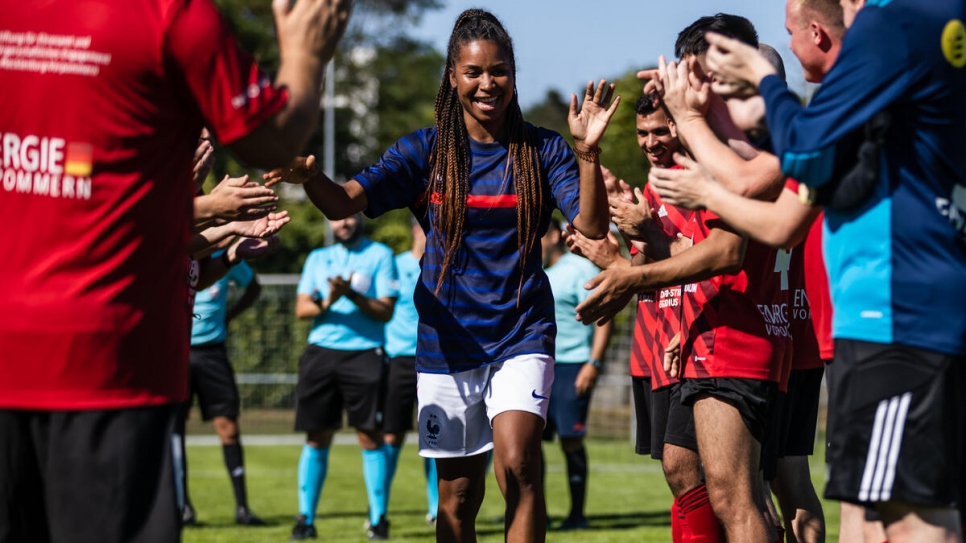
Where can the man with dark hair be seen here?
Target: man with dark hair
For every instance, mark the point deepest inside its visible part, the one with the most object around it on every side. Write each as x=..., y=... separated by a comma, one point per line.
x=733, y=385
x=691, y=44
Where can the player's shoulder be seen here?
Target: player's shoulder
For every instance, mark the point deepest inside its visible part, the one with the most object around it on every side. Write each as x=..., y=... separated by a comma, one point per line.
x=378, y=250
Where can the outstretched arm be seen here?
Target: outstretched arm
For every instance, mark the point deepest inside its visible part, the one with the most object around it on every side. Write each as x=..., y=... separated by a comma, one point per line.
x=782, y=223
x=333, y=200
x=721, y=252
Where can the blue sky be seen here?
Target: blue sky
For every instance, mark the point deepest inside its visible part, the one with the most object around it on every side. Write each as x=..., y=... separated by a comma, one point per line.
x=564, y=43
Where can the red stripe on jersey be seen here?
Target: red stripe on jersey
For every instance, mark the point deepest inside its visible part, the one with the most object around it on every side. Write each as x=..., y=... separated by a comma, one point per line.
x=645, y=325
x=501, y=201
x=668, y=317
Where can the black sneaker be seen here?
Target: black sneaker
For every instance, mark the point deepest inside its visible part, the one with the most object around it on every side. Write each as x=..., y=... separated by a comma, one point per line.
x=188, y=517
x=572, y=523
x=302, y=530
x=379, y=532
x=245, y=517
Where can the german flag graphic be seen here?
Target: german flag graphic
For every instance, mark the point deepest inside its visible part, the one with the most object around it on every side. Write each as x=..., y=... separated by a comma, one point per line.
x=79, y=159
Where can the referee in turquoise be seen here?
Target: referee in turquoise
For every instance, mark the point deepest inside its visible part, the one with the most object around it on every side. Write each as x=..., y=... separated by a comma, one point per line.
x=577, y=364
x=349, y=290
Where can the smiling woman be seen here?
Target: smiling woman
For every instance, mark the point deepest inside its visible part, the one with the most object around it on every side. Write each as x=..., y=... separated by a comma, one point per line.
x=482, y=183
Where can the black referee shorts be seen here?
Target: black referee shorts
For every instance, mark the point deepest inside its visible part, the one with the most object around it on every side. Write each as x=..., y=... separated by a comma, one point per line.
x=212, y=379
x=400, y=395
x=332, y=380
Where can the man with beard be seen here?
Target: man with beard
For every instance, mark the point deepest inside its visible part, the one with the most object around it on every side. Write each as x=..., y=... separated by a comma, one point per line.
x=349, y=291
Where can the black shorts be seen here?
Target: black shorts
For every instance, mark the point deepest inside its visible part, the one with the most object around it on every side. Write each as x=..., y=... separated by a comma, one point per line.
x=212, y=379
x=798, y=413
x=754, y=399
x=768, y=463
x=679, y=429
x=567, y=412
x=646, y=441
x=400, y=395
x=103, y=475
x=330, y=380
x=896, y=430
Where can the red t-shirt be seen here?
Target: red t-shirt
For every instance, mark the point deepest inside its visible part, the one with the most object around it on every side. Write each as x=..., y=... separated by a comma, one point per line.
x=103, y=103
x=817, y=284
x=735, y=324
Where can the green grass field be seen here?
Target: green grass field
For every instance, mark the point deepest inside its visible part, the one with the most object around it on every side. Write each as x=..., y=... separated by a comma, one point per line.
x=627, y=498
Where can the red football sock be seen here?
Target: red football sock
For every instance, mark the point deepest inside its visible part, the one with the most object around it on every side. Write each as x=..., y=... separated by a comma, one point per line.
x=702, y=525
x=677, y=524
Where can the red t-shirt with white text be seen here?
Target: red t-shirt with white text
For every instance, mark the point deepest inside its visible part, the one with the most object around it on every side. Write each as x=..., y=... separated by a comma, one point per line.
x=103, y=103
x=734, y=324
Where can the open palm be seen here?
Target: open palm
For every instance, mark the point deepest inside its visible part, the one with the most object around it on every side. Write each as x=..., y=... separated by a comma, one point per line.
x=587, y=124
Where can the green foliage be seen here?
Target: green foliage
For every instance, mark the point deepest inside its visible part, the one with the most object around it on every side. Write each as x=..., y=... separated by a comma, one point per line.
x=551, y=113
x=621, y=153
x=383, y=98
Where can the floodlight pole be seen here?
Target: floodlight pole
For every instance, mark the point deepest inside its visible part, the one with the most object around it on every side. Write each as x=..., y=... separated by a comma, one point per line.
x=328, y=134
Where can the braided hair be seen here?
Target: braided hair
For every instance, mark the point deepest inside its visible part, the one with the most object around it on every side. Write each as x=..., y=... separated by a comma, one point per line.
x=450, y=157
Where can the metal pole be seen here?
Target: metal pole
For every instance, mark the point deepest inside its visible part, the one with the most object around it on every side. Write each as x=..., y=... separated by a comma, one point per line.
x=328, y=134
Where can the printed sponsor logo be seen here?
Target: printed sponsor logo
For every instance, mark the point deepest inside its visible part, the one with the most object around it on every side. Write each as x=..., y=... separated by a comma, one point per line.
x=45, y=166
x=776, y=319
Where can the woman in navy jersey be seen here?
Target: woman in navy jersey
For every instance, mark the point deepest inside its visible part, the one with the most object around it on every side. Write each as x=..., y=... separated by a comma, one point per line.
x=483, y=184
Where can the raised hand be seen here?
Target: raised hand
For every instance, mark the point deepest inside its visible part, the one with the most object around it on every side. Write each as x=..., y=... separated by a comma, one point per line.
x=686, y=90
x=236, y=198
x=631, y=216
x=688, y=187
x=734, y=62
x=297, y=173
x=612, y=291
x=588, y=123
x=310, y=27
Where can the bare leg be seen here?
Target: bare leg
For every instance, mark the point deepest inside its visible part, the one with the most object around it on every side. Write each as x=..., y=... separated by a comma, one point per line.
x=730, y=457
x=517, y=466
x=907, y=523
x=682, y=469
x=461, y=489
